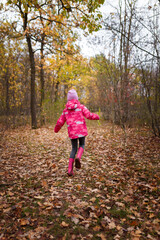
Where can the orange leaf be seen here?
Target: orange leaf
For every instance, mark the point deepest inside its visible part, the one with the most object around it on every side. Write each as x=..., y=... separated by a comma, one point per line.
x=134, y=223
x=53, y=165
x=44, y=184
x=78, y=187
x=96, y=228
x=24, y=222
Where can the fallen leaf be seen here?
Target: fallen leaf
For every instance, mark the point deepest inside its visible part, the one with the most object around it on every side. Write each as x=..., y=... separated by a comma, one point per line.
x=75, y=220
x=96, y=228
x=138, y=232
x=111, y=225
x=24, y=222
x=64, y=237
x=39, y=197
x=102, y=236
x=117, y=237
x=53, y=165
x=10, y=193
x=134, y=223
x=78, y=187
x=64, y=224
x=7, y=210
x=92, y=199
x=151, y=215
x=44, y=184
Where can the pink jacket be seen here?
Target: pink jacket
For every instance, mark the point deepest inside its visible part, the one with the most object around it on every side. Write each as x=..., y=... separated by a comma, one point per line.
x=74, y=114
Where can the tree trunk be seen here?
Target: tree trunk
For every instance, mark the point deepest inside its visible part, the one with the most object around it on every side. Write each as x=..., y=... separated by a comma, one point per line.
x=56, y=91
x=32, y=66
x=7, y=93
x=42, y=81
x=33, y=91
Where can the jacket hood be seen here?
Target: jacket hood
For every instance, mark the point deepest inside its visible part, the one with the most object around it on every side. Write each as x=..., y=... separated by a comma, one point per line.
x=72, y=104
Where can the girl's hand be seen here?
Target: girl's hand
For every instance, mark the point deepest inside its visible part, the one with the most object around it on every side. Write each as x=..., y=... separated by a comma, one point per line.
x=57, y=128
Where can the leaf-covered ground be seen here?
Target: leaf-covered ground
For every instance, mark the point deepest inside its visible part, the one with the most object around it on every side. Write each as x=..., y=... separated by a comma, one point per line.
x=115, y=195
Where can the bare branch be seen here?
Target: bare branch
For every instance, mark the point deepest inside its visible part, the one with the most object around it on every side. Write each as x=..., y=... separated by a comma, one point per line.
x=111, y=28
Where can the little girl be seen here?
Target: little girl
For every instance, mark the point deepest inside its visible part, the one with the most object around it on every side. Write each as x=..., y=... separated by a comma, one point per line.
x=74, y=114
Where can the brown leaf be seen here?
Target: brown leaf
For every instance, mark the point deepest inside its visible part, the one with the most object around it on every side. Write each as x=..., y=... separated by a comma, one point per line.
x=10, y=193
x=7, y=210
x=39, y=197
x=101, y=235
x=151, y=215
x=92, y=199
x=24, y=222
x=44, y=184
x=64, y=237
x=96, y=228
x=64, y=224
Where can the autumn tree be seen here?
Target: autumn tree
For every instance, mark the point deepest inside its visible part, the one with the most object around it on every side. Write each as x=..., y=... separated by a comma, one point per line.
x=68, y=14
x=13, y=81
x=55, y=39
x=62, y=73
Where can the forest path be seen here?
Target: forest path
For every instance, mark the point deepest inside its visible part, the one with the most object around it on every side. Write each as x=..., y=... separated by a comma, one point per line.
x=114, y=195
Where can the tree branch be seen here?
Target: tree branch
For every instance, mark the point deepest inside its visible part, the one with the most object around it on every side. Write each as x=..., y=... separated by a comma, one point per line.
x=108, y=27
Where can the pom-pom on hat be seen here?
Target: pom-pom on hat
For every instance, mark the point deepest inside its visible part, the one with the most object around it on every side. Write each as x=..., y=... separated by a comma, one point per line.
x=72, y=94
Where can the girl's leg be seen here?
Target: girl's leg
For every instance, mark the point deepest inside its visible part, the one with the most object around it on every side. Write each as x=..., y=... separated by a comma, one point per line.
x=80, y=152
x=74, y=143
x=82, y=142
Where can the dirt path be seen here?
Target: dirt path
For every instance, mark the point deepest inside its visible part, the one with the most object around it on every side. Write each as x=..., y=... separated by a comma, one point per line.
x=114, y=196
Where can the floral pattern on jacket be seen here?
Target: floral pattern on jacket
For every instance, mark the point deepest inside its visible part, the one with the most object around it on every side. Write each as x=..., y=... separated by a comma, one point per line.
x=73, y=115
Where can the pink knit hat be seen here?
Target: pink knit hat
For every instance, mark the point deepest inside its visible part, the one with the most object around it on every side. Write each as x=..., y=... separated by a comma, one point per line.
x=72, y=94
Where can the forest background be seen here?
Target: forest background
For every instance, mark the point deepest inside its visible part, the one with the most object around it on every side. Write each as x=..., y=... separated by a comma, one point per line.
x=109, y=51
x=41, y=60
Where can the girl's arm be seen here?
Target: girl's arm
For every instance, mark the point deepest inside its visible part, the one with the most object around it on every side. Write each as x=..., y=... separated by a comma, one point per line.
x=60, y=122
x=89, y=115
